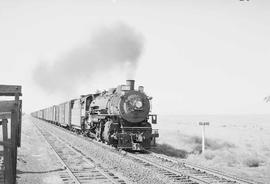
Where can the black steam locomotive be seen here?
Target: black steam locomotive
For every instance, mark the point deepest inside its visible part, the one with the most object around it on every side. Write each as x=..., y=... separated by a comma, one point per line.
x=119, y=117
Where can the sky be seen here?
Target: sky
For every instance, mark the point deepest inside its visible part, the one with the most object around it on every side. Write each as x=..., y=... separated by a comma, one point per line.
x=198, y=57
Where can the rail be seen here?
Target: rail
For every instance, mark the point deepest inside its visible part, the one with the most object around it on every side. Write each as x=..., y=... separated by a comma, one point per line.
x=185, y=172
x=81, y=168
x=210, y=171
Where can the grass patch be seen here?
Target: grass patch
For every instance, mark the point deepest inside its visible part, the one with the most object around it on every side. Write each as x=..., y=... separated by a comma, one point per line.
x=252, y=162
x=169, y=150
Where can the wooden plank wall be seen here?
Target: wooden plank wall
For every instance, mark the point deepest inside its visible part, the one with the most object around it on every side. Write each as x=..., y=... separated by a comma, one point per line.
x=11, y=110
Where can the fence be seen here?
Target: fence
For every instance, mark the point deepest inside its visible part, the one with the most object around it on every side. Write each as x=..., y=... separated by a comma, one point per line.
x=10, y=120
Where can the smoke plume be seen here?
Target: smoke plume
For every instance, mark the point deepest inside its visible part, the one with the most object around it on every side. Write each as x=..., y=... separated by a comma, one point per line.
x=117, y=46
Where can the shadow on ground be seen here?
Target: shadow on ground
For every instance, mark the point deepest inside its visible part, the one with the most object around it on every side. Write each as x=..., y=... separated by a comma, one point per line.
x=169, y=150
x=40, y=172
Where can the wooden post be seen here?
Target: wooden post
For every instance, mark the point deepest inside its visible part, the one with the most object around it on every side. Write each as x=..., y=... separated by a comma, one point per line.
x=13, y=143
x=203, y=124
x=6, y=152
x=16, y=136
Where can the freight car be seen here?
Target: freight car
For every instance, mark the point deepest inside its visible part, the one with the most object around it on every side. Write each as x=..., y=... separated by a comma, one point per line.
x=119, y=117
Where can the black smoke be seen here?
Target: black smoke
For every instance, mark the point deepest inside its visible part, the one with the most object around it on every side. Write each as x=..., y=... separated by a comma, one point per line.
x=109, y=48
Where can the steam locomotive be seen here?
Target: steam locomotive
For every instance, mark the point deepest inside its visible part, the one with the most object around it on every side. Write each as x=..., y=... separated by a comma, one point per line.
x=119, y=117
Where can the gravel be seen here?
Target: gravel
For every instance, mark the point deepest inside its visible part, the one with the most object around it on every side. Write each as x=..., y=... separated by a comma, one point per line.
x=117, y=163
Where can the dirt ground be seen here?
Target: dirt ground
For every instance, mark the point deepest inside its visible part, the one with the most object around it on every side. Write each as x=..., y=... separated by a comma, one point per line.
x=37, y=163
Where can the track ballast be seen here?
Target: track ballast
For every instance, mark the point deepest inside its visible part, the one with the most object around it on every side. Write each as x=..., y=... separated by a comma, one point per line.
x=187, y=173
x=79, y=167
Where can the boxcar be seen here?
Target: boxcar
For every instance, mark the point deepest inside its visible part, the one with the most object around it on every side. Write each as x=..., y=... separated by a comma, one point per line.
x=51, y=114
x=48, y=112
x=55, y=113
x=65, y=114
x=45, y=114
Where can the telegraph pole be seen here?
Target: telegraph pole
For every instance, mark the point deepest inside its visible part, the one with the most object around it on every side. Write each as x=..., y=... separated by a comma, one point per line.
x=203, y=124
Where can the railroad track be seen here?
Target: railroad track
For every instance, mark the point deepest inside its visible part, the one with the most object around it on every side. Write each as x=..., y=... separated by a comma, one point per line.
x=79, y=167
x=213, y=172
x=193, y=173
x=184, y=172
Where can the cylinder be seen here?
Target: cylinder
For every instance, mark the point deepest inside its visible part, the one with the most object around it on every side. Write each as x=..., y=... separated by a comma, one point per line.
x=130, y=83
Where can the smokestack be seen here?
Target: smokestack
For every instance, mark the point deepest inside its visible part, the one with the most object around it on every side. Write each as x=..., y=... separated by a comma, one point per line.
x=141, y=89
x=131, y=83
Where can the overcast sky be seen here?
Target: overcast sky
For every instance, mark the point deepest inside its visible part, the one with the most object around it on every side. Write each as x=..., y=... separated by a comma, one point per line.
x=199, y=57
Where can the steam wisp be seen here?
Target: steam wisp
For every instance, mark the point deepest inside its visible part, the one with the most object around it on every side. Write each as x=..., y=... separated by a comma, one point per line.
x=109, y=48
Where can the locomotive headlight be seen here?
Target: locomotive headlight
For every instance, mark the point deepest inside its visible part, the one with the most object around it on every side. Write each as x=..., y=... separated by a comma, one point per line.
x=138, y=104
